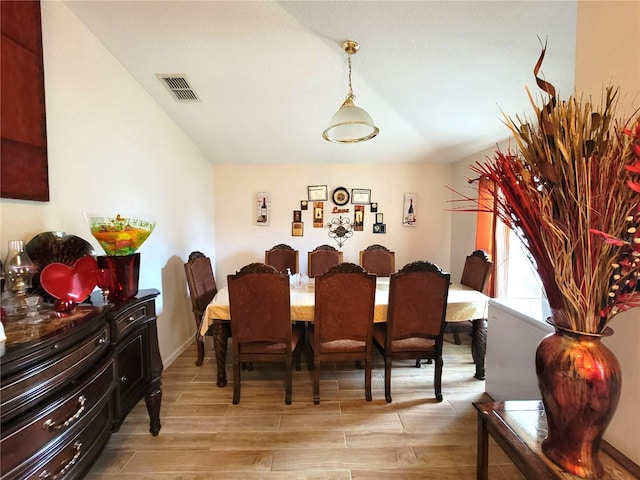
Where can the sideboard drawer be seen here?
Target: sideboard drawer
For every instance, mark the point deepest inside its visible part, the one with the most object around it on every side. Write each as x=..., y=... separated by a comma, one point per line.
x=22, y=391
x=72, y=458
x=62, y=417
x=128, y=319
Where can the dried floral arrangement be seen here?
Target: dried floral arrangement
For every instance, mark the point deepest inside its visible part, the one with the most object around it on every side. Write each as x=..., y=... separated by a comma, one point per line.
x=571, y=192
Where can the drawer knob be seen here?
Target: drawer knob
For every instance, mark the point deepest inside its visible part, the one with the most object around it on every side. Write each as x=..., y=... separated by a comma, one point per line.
x=51, y=425
x=123, y=379
x=131, y=319
x=61, y=473
x=101, y=341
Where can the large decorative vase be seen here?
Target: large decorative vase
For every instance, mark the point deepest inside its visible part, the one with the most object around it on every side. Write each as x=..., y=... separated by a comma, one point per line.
x=580, y=380
x=127, y=273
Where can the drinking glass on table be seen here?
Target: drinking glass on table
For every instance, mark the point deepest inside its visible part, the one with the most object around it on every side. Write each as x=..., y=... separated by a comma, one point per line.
x=105, y=278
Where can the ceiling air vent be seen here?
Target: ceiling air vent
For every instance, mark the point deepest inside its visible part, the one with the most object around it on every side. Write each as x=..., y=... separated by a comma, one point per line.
x=179, y=88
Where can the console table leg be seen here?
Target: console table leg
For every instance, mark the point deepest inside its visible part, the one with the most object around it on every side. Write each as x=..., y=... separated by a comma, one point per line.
x=153, y=401
x=221, y=332
x=482, y=469
x=479, y=346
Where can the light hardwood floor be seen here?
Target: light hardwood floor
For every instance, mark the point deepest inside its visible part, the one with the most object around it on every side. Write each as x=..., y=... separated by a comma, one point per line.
x=344, y=438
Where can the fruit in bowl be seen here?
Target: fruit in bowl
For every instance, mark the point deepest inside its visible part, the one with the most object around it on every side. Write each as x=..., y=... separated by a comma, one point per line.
x=120, y=235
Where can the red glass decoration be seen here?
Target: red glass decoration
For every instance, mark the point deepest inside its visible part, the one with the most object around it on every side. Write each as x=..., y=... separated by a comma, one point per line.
x=580, y=380
x=127, y=272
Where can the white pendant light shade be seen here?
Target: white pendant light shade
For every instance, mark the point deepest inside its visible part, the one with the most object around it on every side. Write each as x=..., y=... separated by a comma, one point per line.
x=350, y=124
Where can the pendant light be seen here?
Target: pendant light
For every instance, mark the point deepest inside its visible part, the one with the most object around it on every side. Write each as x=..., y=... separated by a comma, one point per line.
x=350, y=124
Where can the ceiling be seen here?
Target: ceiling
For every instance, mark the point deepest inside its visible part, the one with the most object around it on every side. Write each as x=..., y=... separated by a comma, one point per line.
x=436, y=76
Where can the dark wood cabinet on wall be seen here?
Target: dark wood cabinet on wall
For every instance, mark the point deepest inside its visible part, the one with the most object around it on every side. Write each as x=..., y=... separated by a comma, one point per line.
x=23, y=151
x=67, y=383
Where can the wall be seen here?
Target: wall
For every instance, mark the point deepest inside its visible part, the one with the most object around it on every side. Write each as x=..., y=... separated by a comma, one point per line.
x=113, y=150
x=240, y=241
x=608, y=53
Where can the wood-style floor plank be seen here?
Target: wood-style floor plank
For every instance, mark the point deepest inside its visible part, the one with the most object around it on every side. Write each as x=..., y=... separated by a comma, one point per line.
x=204, y=436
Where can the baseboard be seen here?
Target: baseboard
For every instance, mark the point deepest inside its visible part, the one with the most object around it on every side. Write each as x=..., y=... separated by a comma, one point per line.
x=620, y=458
x=177, y=352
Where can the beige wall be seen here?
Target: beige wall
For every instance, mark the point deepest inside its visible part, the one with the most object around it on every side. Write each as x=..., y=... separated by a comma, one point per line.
x=608, y=53
x=240, y=241
x=113, y=150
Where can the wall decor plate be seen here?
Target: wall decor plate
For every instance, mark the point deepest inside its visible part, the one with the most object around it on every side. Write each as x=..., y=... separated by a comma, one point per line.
x=340, y=196
x=55, y=247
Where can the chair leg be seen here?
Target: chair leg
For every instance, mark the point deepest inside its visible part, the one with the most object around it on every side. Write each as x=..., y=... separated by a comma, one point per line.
x=456, y=337
x=387, y=377
x=437, y=379
x=316, y=382
x=289, y=374
x=236, y=381
x=367, y=378
x=418, y=363
x=200, y=347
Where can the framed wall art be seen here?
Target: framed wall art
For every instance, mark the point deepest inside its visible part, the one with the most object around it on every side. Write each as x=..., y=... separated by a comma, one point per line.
x=297, y=215
x=317, y=193
x=409, y=209
x=360, y=196
x=304, y=204
x=358, y=218
x=297, y=229
x=318, y=214
x=263, y=209
x=374, y=207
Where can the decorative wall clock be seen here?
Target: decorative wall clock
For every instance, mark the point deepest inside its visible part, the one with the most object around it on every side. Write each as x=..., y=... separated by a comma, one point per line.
x=340, y=196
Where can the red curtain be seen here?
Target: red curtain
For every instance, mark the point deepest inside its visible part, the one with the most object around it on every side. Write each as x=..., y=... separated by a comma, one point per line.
x=486, y=226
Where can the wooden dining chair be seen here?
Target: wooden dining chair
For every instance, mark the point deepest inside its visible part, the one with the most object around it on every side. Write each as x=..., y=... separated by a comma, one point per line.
x=281, y=257
x=415, y=320
x=378, y=260
x=475, y=274
x=202, y=289
x=259, y=307
x=321, y=259
x=343, y=321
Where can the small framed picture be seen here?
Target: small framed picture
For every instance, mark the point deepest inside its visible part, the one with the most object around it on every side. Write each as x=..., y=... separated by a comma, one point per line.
x=379, y=228
x=297, y=215
x=379, y=218
x=374, y=207
x=304, y=204
x=297, y=229
x=317, y=193
x=360, y=196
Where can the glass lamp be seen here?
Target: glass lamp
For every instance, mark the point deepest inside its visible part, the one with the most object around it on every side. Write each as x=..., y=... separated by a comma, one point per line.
x=350, y=124
x=18, y=272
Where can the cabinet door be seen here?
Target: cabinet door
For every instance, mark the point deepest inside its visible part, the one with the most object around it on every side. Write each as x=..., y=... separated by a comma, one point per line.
x=132, y=360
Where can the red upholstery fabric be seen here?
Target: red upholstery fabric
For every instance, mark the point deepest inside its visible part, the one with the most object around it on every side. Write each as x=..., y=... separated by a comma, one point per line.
x=321, y=259
x=202, y=289
x=378, y=260
x=282, y=257
x=343, y=323
x=261, y=321
x=415, y=319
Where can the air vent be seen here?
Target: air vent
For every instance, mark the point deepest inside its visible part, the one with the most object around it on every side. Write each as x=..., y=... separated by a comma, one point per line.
x=179, y=87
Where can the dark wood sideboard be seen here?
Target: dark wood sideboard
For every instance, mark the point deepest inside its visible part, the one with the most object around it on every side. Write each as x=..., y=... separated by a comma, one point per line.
x=67, y=383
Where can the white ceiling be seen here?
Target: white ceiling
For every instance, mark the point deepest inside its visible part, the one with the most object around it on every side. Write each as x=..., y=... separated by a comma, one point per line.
x=434, y=75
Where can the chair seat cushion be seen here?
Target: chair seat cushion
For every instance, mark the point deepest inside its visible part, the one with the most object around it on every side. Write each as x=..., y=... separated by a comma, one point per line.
x=411, y=344
x=343, y=345
x=276, y=348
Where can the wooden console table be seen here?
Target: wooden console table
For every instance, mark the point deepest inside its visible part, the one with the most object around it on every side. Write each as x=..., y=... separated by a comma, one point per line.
x=519, y=427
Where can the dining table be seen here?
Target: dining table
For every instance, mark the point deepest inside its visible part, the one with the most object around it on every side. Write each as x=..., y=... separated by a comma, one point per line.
x=463, y=304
